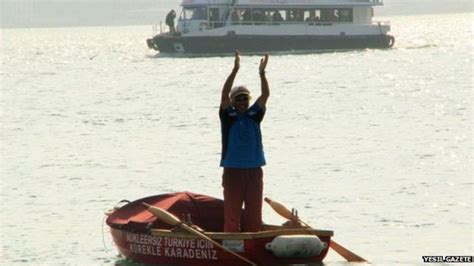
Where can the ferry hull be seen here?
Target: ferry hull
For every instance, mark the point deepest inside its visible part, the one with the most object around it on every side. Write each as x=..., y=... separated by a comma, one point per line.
x=258, y=44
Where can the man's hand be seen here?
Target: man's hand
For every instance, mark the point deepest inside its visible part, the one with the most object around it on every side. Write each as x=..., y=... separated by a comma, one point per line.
x=263, y=64
x=225, y=101
x=262, y=100
x=237, y=60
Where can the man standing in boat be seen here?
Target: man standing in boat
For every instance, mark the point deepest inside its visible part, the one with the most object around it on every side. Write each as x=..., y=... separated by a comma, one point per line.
x=170, y=20
x=242, y=152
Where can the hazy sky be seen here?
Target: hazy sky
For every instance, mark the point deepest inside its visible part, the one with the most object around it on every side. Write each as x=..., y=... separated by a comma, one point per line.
x=57, y=13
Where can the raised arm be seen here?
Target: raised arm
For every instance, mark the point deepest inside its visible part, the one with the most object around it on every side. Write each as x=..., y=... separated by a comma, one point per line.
x=225, y=101
x=262, y=100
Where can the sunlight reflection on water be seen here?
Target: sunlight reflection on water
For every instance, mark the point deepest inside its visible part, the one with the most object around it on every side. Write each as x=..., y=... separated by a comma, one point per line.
x=373, y=144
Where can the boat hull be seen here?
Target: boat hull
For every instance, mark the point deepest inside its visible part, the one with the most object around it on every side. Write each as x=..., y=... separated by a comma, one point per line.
x=258, y=44
x=140, y=236
x=179, y=248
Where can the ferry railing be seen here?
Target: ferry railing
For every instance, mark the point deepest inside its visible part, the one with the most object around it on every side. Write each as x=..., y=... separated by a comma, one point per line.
x=213, y=24
x=156, y=27
x=382, y=23
x=249, y=23
x=284, y=22
x=312, y=23
x=160, y=29
x=342, y=19
x=367, y=1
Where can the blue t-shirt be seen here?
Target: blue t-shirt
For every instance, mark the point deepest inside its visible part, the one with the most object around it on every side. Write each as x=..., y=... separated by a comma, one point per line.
x=241, y=138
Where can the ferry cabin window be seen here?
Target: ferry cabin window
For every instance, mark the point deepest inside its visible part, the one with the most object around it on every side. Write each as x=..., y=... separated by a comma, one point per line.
x=214, y=14
x=345, y=14
x=195, y=13
x=312, y=15
x=278, y=15
x=249, y=16
x=336, y=14
x=235, y=16
x=295, y=15
x=257, y=16
x=214, y=18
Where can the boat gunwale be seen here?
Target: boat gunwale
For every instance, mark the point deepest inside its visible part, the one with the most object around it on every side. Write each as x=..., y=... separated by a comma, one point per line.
x=244, y=235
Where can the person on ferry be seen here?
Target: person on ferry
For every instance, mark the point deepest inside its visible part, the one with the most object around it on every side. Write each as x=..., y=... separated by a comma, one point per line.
x=247, y=16
x=311, y=19
x=277, y=16
x=268, y=16
x=235, y=16
x=242, y=151
x=170, y=20
x=258, y=16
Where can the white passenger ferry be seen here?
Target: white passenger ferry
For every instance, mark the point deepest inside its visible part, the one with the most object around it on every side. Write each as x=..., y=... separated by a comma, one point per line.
x=255, y=26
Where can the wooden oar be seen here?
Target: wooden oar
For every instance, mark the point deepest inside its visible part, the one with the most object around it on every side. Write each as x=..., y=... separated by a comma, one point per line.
x=174, y=221
x=284, y=212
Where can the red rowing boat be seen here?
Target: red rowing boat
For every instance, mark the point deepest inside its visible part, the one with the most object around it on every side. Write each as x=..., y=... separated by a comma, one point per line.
x=143, y=237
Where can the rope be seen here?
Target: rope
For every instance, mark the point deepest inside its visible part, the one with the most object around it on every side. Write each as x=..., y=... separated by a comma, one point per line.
x=103, y=235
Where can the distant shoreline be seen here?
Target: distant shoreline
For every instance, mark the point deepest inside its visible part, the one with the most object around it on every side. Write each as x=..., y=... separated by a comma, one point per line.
x=31, y=14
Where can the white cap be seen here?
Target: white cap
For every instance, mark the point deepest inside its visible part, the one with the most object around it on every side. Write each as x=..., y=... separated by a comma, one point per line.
x=238, y=90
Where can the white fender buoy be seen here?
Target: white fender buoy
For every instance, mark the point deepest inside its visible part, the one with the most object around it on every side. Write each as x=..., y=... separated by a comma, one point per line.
x=296, y=246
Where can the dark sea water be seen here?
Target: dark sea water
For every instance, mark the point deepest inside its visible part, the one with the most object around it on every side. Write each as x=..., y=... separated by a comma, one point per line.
x=376, y=145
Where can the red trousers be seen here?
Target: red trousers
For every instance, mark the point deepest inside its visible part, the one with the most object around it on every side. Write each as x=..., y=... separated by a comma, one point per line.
x=242, y=186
